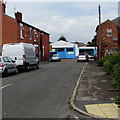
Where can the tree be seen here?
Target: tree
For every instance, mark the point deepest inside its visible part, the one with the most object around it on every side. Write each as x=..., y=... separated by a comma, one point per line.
x=93, y=42
x=62, y=38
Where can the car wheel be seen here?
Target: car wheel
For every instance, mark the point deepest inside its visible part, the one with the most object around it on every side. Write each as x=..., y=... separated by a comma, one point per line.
x=16, y=71
x=5, y=73
x=87, y=60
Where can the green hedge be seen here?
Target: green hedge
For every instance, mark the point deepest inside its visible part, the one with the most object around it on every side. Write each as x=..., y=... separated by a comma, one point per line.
x=115, y=75
x=111, y=65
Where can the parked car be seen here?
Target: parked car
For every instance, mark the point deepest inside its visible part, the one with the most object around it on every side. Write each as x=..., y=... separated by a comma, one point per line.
x=23, y=53
x=7, y=65
x=83, y=57
x=55, y=57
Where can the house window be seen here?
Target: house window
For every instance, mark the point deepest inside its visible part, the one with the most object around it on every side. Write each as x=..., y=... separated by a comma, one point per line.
x=69, y=49
x=115, y=38
x=21, y=31
x=109, y=32
x=43, y=50
x=60, y=49
x=30, y=33
x=35, y=35
x=106, y=46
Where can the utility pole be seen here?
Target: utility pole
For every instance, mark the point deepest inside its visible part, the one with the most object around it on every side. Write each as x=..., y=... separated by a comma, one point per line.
x=99, y=34
x=99, y=8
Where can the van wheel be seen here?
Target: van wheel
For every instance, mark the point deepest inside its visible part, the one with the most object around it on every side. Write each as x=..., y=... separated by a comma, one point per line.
x=37, y=67
x=27, y=68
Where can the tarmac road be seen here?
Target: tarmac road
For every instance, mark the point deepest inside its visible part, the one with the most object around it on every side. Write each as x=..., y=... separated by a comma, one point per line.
x=41, y=93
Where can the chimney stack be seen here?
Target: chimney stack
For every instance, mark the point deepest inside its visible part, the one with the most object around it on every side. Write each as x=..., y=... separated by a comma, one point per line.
x=3, y=5
x=18, y=16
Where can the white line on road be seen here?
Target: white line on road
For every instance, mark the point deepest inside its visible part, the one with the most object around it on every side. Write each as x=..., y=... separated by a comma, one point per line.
x=5, y=86
x=76, y=118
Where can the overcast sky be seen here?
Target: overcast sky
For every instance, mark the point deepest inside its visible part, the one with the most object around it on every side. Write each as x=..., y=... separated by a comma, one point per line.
x=74, y=20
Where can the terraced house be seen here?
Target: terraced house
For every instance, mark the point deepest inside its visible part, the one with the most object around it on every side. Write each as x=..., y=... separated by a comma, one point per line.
x=108, y=37
x=15, y=30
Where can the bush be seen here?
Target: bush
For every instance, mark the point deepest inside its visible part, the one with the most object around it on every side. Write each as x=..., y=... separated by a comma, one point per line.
x=100, y=62
x=111, y=65
x=118, y=100
x=109, y=62
x=115, y=76
x=108, y=66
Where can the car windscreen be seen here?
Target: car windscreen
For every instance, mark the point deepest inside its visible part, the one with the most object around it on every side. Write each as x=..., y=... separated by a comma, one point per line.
x=55, y=55
x=82, y=54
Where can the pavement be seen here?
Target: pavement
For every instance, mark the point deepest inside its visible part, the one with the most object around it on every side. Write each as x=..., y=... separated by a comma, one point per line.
x=94, y=96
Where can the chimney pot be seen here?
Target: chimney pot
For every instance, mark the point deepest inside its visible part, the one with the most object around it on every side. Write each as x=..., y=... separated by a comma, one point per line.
x=18, y=16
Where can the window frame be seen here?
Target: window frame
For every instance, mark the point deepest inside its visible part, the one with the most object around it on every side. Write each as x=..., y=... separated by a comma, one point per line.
x=68, y=50
x=60, y=49
x=109, y=32
x=21, y=31
x=31, y=33
x=5, y=59
x=35, y=35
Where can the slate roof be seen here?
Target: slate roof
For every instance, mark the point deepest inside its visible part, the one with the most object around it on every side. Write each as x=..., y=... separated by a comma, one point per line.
x=62, y=44
x=117, y=21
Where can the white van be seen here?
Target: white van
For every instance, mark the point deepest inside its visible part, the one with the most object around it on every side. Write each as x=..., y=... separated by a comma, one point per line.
x=23, y=53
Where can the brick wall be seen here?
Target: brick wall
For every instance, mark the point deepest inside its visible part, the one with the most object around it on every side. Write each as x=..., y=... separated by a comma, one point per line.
x=0, y=25
x=14, y=30
x=109, y=37
x=9, y=30
x=11, y=33
x=28, y=37
x=119, y=37
x=45, y=46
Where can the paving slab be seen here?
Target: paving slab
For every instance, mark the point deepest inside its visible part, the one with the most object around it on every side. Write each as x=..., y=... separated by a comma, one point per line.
x=107, y=110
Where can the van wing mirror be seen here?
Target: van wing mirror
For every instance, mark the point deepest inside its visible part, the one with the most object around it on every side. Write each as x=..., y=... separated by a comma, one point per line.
x=13, y=61
x=15, y=58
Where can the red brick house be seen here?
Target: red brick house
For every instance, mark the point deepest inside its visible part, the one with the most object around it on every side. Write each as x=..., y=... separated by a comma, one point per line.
x=117, y=21
x=14, y=30
x=108, y=38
